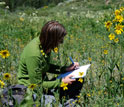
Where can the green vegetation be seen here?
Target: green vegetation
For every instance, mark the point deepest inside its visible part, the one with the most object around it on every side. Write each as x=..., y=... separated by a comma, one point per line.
x=87, y=41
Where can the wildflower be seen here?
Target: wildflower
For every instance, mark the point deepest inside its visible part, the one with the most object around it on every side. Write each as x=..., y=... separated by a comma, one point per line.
x=79, y=101
x=117, y=12
x=123, y=78
x=64, y=85
x=4, y=53
x=119, y=29
x=45, y=7
x=80, y=79
x=56, y=50
x=73, y=102
x=6, y=76
x=21, y=19
x=116, y=40
x=2, y=84
x=119, y=18
x=88, y=95
x=37, y=105
x=111, y=36
x=121, y=9
x=42, y=52
x=76, y=101
x=110, y=81
x=32, y=86
x=108, y=24
x=105, y=51
x=78, y=96
x=81, y=74
x=90, y=59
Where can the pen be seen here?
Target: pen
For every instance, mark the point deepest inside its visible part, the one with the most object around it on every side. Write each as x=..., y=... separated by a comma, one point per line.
x=71, y=60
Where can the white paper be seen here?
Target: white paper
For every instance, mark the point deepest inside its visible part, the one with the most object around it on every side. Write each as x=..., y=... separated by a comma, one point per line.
x=76, y=73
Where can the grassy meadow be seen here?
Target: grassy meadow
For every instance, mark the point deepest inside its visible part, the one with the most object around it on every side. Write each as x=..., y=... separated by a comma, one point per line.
x=95, y=35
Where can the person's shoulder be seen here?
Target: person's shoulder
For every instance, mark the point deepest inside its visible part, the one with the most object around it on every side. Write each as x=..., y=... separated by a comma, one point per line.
x=32, y=48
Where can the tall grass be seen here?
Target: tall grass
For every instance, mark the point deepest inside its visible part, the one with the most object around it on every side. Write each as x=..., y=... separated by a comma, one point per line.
x=87, y=41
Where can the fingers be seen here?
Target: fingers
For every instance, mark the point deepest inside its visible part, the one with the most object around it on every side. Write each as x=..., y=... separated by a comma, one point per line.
x=70, y=79
x=70, y=76
x=76, y=65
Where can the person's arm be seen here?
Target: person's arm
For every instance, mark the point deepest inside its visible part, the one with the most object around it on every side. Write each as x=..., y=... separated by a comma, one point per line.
x=57, y=69
x=36, y=68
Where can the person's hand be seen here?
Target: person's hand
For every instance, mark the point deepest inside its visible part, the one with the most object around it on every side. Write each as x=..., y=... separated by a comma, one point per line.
x=73, y=66
x=68, y=79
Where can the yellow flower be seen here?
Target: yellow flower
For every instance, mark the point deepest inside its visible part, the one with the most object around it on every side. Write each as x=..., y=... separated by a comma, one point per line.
x=123, y=78
x=6, y=76
x=79, y=101
x=45, y=7
x=80, y=79
x=116, y=40
x=2, y=84
x=121, y=9
x=4, y=53
x=81, y=73
x=90, y=59
x=111, y=36
x=105, y=51
x=117, y=12
x=108, y=24
x=88, y=95
x=56, y=50
x=119, y=29
x=119, y=18
x=32, y=86
x=64, y=86
x=110, y=81
x=21, y=19
x=117, y=104
x=78, y=96
x=42, y=52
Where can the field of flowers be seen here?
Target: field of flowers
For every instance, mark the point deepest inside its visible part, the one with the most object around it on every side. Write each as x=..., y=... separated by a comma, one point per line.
x=95, y=36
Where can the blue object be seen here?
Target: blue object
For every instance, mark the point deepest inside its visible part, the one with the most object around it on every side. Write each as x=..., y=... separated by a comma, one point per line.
x=71, y=60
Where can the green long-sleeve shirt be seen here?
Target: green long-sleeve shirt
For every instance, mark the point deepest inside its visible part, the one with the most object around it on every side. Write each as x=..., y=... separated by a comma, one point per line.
x=33, y=67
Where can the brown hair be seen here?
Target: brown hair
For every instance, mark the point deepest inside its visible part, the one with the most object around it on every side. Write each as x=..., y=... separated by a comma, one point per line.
x=52, y=34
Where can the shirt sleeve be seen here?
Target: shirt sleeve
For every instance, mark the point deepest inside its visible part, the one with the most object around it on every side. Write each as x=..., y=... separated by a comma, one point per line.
x=57, y=69
x=51, y=84
x=36, y=67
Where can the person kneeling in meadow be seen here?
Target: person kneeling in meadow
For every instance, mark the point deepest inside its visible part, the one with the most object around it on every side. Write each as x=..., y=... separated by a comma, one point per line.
x=35, y=63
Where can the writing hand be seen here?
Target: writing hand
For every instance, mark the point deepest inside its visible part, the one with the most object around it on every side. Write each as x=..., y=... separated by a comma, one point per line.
x=73, y=66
